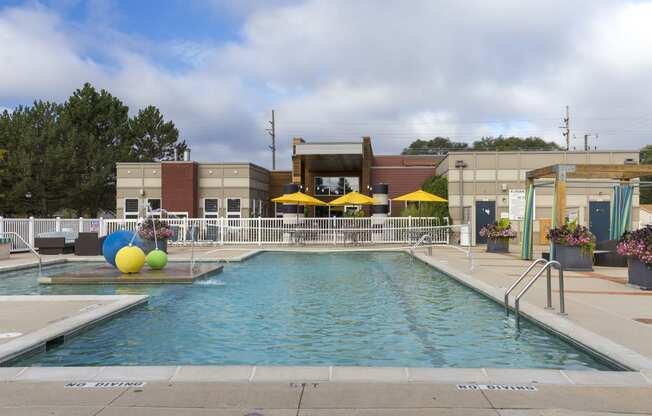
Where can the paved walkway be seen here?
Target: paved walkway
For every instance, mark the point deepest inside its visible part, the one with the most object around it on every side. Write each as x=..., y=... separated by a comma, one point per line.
x=316, y=399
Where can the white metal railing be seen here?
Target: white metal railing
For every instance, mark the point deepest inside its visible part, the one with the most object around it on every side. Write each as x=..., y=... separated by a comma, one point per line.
x=233, y=231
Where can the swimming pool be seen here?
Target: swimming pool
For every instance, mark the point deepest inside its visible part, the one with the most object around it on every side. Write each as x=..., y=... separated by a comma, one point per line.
x=364, y=308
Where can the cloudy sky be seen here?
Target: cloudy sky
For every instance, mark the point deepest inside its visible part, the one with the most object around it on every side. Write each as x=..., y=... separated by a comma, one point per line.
x=341, y=69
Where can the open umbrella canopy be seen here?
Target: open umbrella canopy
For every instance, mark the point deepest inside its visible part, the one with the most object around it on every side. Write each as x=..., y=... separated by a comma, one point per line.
x=298, y=198
x=419, y=196
x=353, y=198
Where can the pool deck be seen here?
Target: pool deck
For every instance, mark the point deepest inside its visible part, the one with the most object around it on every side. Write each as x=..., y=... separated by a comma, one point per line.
x=604, y=314
x=197, y=390
x=43, y=319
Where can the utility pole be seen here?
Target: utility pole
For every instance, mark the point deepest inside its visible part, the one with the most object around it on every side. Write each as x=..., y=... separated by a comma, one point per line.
x=566, y=128
x=272, y=132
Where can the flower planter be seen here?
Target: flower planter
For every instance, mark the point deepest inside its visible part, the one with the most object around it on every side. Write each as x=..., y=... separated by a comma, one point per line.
x=149, y=245
x=640, y=274
x=5, y=248
x=498, y=245
x=574, y=258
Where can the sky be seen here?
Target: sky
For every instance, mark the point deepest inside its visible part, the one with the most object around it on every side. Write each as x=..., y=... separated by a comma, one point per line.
x=337, y=70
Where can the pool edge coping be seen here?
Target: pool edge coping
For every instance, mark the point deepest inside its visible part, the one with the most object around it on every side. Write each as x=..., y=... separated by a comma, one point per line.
x=332, y=374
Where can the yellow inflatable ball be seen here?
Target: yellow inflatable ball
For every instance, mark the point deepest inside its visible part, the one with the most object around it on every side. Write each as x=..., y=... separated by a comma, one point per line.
x=130, y=259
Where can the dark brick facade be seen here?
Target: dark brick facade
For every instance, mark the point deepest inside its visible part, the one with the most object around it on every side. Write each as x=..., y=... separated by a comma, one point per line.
x=180, y=187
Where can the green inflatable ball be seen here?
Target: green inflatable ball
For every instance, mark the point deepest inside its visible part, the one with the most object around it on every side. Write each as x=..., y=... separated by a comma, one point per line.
x=157, y=259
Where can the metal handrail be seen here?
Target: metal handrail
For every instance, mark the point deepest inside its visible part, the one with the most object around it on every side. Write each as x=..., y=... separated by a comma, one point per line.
x=519, y=280
x=562, y=306
x=31, y=248
x=422, y=240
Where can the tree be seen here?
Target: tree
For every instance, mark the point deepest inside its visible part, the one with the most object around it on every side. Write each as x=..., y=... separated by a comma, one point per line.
x=153, y=138
x=511, y=143
x=62, y=157
x=436, y=146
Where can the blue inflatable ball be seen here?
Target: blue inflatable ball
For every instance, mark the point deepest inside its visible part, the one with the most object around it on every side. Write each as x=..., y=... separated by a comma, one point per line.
x=117, y=240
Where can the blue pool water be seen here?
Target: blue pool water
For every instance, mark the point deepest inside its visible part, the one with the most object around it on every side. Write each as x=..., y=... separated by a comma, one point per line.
x=379, y=309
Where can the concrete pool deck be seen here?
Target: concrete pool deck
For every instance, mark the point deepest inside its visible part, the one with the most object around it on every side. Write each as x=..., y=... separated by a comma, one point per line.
x=30, y=322
x=314, y=391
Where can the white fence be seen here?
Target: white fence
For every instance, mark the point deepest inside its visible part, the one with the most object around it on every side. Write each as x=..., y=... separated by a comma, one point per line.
x=219, y=231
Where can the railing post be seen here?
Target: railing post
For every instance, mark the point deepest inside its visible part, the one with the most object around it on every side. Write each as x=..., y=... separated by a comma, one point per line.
x=102, y=227
x=81, y=224
x=30, y=233
x=259, y=240
x=57, y=224
x=562, y=305
x=548, y=289
x=221, y=231
x=2, y=224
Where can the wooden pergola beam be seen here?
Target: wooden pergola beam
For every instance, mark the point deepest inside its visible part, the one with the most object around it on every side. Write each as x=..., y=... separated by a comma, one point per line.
x=584, y=171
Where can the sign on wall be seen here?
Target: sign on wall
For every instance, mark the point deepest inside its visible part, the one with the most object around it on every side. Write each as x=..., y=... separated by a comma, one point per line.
x=517, y=204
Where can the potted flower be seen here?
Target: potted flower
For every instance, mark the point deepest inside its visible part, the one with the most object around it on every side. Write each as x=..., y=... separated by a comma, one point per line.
x=637, y=246
x=498, y=235
x=574, y=245
x=154, y=233
x=5, y=247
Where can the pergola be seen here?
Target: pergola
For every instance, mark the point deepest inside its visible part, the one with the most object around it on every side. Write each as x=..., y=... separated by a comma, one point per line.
x=561, y=173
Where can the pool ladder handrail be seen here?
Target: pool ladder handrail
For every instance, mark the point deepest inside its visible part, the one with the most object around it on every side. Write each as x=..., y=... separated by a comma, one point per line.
x=31, y=248
x=421, y=241
x=546, y=267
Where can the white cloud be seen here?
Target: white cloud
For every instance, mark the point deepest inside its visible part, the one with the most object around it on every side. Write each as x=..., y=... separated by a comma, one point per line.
x=342, y=69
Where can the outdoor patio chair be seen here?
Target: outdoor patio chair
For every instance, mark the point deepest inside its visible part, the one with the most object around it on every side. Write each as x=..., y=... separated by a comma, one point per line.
x=55, y=243
x=605, y=254
x=88, y=244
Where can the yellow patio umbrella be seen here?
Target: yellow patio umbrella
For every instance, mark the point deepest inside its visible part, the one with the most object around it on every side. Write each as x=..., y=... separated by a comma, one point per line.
x=353, y=198
x=298, y=198
x=420, y=196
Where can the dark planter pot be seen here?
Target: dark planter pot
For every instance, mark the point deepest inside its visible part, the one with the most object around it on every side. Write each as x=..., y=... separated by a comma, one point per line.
x=640, y=274
x=574, y=258
x=498, y=245
x=149, y=245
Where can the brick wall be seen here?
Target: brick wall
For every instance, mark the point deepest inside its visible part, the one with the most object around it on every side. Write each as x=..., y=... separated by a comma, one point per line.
x=179, y=183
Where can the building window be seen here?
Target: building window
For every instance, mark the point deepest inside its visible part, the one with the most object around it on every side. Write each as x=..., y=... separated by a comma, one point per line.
x=154, y=205
x=331, y=185
x=278, y=210
x=131, y=208
x=233, y=208
x=211, y=206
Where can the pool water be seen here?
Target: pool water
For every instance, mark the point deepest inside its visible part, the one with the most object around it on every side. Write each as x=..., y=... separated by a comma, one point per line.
x=371, y=308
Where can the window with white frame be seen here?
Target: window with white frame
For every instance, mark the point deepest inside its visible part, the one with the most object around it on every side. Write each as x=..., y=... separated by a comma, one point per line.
x=211, y=207
x=154, y=205
x=252, y=211
x=233, y=208
x=131, y=208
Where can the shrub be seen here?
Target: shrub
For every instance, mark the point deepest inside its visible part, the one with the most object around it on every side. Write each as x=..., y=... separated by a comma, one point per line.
x=637, y=244
x=498, y=230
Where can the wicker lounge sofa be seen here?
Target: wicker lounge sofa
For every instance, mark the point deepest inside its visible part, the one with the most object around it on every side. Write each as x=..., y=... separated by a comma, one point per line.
x=55, y=242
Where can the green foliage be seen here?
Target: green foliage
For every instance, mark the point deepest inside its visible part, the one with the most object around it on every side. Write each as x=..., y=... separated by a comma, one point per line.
x=512, y=143
x=436, y=146
x=61, y=157
x=355, y=214
x=441, y=145
x=436, y=185
x=646, y=159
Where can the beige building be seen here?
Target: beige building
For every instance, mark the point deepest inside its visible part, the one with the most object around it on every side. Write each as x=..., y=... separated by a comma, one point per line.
x=486, y=186
x=192, y=189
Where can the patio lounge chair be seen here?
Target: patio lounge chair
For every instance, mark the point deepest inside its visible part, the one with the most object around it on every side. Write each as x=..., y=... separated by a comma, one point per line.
x=62, y=242
x=605, y=254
